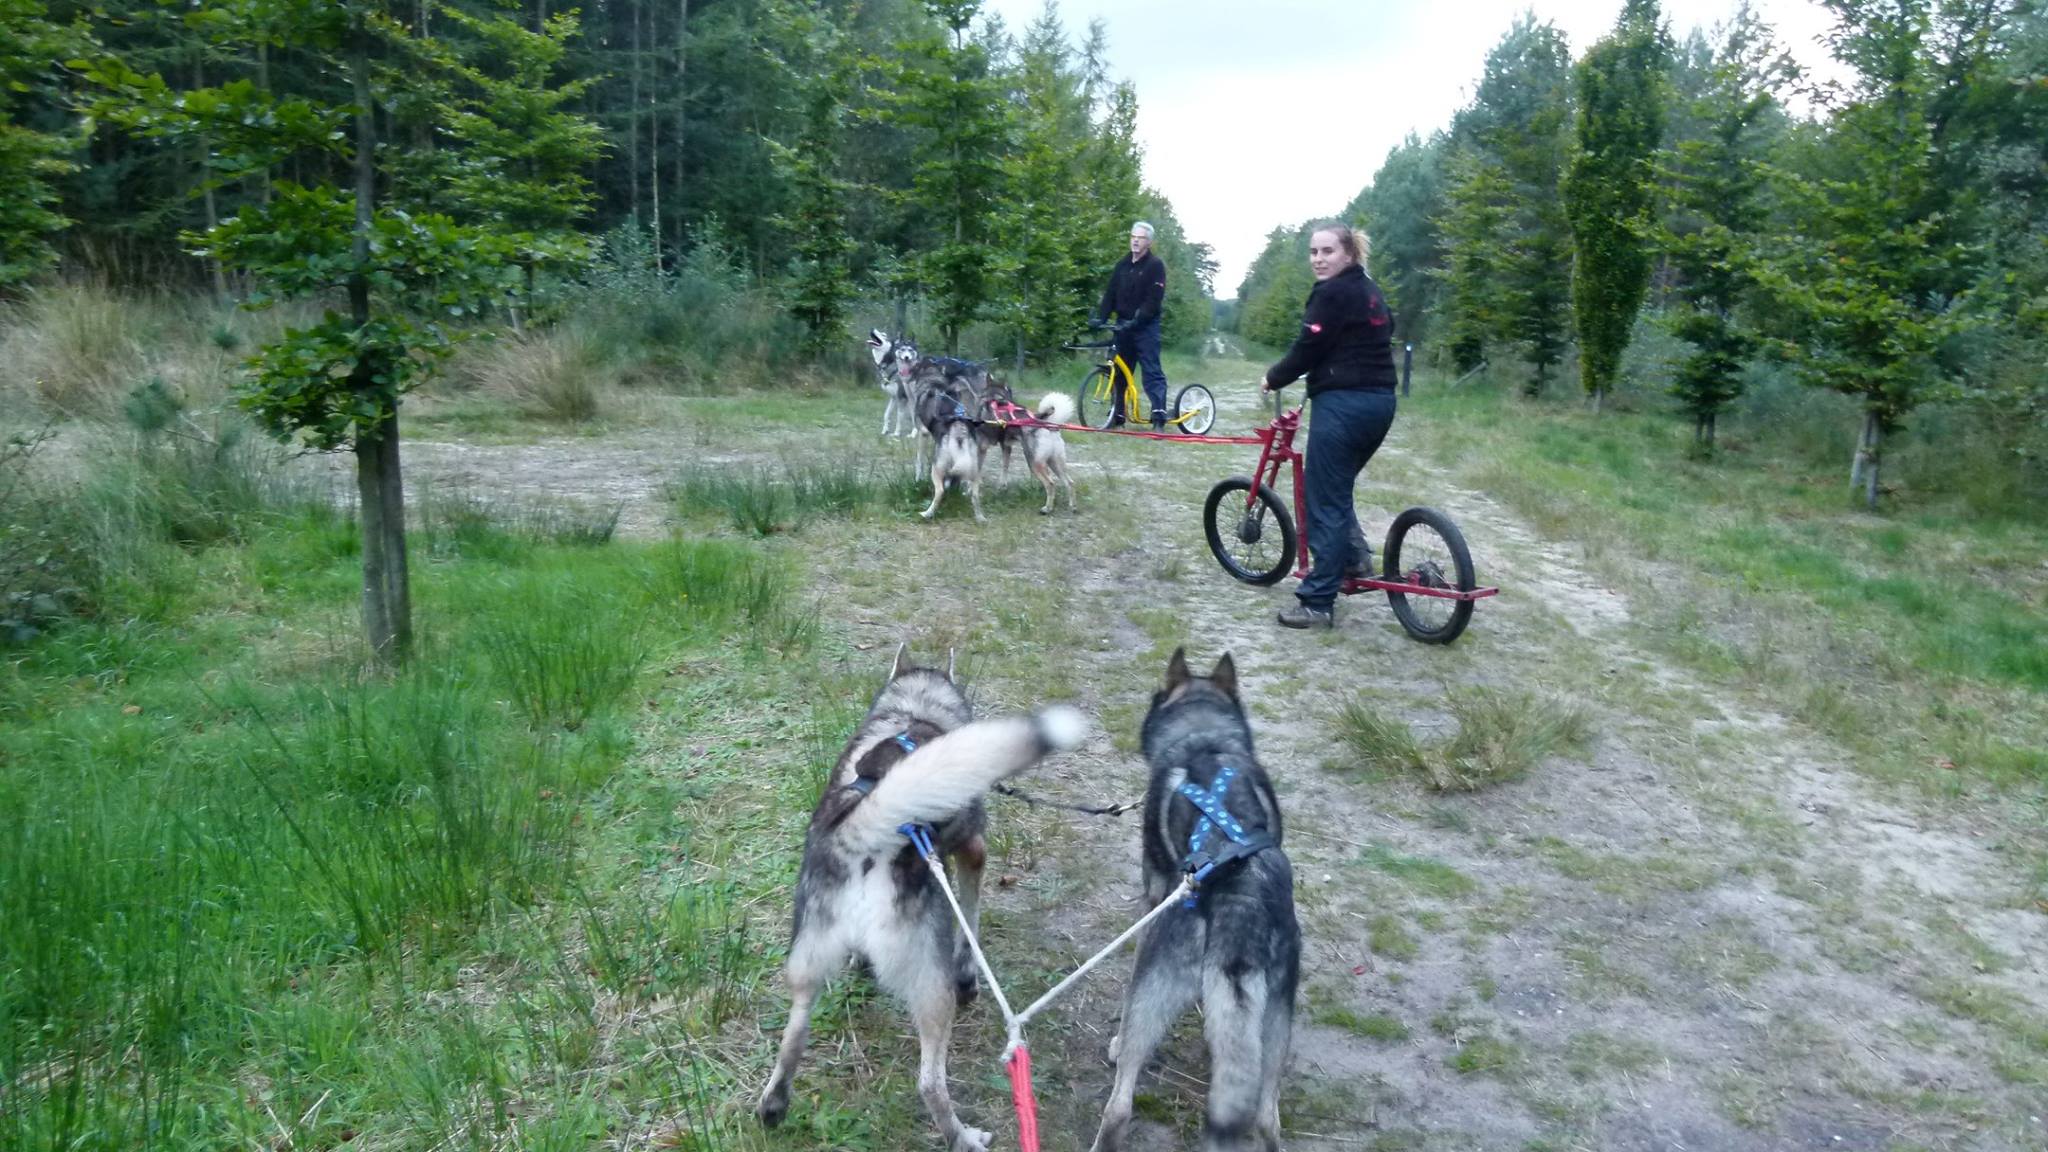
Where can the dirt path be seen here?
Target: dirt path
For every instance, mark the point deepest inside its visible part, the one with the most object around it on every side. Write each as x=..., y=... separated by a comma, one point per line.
x=1708, y=933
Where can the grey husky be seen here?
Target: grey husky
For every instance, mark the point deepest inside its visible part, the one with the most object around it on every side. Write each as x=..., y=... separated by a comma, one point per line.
x=862, y=891
x=1238, y=949
x=956, y=411
x=895, y=357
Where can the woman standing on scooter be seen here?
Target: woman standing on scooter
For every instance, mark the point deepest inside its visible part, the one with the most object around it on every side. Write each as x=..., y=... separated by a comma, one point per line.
x=1346, y=349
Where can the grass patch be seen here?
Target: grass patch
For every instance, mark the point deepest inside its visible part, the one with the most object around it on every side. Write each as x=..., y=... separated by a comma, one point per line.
x=763, y=500
x=1423, y=874
x=1389, y=938
x=228, y=858
x=1485, y=1055
x=1500, y=736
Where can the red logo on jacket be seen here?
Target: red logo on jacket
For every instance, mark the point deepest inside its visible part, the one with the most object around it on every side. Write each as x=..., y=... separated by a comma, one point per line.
x=1315, y=329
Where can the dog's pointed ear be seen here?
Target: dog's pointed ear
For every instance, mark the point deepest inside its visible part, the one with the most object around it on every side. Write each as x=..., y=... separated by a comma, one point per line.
x=949, y=663
x=901, y=664
x=1177, y=669
x=1224, y=676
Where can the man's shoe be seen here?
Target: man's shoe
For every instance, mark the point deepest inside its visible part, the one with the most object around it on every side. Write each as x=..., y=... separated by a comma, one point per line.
x=1303, y=616
x=1159, y=421
x=1116, y=422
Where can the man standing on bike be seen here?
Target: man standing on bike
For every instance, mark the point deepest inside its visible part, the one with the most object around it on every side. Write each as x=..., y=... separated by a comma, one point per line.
x=1346, y=351
x=1135, y=295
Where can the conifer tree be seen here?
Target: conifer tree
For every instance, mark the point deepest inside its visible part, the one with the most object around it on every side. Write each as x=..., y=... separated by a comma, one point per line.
x=33, y=50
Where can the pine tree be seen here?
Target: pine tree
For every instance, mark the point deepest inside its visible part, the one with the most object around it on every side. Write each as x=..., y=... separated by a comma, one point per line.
x=1399, y=211
x=1043, y=226
x=819, y=286
x=1714, y=214
x=947, y=97
x=1607, y=187
x=33, y=49
x=1506, y=239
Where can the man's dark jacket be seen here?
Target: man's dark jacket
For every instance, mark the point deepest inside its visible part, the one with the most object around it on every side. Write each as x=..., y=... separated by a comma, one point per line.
x=1136, y=290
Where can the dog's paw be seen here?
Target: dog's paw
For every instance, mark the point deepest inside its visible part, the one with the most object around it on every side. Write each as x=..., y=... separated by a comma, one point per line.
x=1116, y=1044
x=966, y=990
x=925, y=515
x=772, y=1108
x=971, y=1140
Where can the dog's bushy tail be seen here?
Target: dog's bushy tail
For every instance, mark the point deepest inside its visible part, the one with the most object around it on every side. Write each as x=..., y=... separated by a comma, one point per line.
x=947, y=775
x=1056, y=408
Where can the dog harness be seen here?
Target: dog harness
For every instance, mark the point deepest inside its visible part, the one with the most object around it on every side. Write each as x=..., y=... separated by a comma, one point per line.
x=1200, y=862
x=866, y=784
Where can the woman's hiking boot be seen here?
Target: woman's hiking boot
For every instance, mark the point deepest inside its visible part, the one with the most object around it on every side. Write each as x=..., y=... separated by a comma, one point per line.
x=1303, y=616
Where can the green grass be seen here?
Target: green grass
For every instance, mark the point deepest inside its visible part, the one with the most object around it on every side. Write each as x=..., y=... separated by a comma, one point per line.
x=1500, y=736
x=1918, y=626
x=227, y=857
x=1427, y=876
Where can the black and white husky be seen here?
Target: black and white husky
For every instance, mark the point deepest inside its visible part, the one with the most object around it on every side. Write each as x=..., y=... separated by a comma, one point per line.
x=958, y=413
x=1237, y=950
x=919, y=757
x=894, y=357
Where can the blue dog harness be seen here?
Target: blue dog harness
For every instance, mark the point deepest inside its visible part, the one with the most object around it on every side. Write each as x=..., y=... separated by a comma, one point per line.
x=866, y=784
x=1200, y=862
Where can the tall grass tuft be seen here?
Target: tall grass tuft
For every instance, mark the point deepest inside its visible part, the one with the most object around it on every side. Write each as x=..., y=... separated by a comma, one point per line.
x=1500, y=736
x=553, y=375
x=762, y=500
x=562, y=651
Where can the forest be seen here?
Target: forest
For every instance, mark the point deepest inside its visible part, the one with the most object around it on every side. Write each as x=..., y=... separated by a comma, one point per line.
x=1697, y=200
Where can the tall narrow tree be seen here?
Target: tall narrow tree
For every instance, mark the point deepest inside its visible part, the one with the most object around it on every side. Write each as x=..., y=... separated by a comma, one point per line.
x=1714, y=214
x=1620, y=122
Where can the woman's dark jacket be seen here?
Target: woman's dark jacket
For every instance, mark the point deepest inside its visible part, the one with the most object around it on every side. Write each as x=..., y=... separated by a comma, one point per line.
x=1346, y=338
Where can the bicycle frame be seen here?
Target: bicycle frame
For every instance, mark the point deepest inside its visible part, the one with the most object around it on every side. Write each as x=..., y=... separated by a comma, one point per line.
x=1277, y=450
x=1121, y=375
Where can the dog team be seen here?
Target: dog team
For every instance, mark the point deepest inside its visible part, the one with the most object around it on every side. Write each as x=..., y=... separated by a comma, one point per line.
x=919, y=757
x=955, y=403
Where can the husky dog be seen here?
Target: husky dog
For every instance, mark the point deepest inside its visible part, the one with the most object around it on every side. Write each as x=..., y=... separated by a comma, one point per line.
x=894, y=358
x=1238, y=949
x=1045, y=450
x=967, y=382
x=863, y=891
x=950, y=411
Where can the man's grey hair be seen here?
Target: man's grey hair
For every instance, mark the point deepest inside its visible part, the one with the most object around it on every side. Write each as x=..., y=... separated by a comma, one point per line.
x=1141, y=226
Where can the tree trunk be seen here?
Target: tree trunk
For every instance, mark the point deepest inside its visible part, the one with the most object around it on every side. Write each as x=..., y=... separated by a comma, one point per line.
x=1863, y=473
x=1857, y=462
x=633, y=121
x=220, y=275
x=682, y=108
x=1598, y=395
x=1711, y=419
x=902, y=316
x=654, y=135
x=380, y=490
x=1019, y=369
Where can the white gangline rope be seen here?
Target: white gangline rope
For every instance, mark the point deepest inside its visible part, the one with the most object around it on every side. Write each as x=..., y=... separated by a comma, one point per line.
x=1015, y=1021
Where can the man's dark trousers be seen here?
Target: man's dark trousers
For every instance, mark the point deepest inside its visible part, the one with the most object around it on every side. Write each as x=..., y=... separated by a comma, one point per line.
x=1139, y=348
x=1345, y=428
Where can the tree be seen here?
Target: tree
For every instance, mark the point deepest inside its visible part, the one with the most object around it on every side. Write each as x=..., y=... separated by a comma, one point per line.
x=1398, y=210
x=337, y=383
x=520, y=155
x=820, y=280
x=1046, y=227
x=33, y=49
x=946, y=95
x=1506, y=238
x=1713, y=215
x=1607, y=187
x=1477, y=216
x=1274, y=289
x=1864, y=282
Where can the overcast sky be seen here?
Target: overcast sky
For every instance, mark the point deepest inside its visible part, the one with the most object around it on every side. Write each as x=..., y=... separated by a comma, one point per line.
x=1262, y=112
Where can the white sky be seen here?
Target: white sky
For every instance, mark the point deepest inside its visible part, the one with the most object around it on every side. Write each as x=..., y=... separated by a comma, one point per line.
x=1255, y=113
